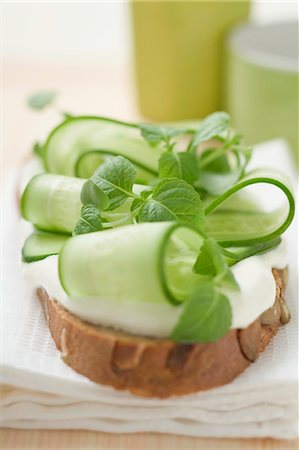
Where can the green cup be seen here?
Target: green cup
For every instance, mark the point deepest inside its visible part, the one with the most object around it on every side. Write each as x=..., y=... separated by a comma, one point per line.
x=178, y=55
x=261, y=87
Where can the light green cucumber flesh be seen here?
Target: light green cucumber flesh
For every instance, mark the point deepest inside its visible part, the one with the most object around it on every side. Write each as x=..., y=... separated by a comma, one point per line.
x=179, y=253
x=52, y=202
x=77, y=136
x=39, y=245
x=225, y=225
x=150, y=262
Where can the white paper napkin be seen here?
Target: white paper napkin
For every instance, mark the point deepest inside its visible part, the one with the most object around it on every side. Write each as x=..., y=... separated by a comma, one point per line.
x=40, y=391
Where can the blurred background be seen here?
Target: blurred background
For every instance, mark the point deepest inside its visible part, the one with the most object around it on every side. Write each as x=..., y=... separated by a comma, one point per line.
x=154, y=61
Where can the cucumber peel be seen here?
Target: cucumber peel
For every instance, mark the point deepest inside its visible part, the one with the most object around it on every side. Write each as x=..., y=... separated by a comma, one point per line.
x=39, y=245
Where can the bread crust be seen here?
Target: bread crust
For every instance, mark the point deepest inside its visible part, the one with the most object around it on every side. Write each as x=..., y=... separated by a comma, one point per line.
x=159, y=367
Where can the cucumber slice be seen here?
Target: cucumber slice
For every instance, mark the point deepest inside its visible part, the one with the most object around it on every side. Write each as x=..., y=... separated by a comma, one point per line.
x=257, y=209
x=149, y=262
x=52, y=202
x=39, y=245
x=79, y=144
x=89, y=161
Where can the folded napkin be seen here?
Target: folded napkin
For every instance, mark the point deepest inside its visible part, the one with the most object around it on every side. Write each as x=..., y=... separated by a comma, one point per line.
x=40, y=391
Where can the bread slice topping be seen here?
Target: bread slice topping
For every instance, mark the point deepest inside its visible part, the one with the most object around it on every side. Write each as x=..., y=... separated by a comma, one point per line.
x=154, y=250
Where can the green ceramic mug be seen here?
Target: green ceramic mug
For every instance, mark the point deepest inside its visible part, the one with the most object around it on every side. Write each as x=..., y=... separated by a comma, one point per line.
x=178, y=55
x=261, y=87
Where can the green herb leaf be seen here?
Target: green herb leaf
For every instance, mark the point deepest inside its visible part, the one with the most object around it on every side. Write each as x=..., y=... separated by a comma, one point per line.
x=206, y=317
x=216, y=183
x=114, y=178
x=154, y=134
x=211, y=262
x=226, y=279
x=221, y=168
x=90, y=220
x=173, y=199
x=179, y=165
x=145, y=194
x=41, y=100
x=93, y=194
x=212, y=126
x=136, y=203
x=204, y=264
x=37, y=149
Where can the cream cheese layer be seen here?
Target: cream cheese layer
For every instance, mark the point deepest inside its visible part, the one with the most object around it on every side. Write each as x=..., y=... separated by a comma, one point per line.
x=254, y=276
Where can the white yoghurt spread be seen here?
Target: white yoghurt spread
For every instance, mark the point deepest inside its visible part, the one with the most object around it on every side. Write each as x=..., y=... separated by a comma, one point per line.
x=256, y=295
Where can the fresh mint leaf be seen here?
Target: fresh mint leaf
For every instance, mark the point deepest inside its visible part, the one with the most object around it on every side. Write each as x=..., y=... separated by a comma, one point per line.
x=221, y=168
x=137, y=203
x=212, y=263
x=179, y=165
x=90, y=220
x=216, y=183
x=115, y=178
x=172, y=199
x=214, y=160
x=154, y=134
x=41, y=99
x=37, y=149
x=145, y=194
x=206, y=317
x=204, y=264
x=226, y=279
x=212, y=126
x=93, y=194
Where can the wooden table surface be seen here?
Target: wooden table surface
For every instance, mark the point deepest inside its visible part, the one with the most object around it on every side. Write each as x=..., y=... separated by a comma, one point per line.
x=83, y=90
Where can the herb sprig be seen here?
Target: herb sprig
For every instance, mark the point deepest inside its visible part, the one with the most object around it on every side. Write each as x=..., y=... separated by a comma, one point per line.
x=112, y=185
x=214, y=169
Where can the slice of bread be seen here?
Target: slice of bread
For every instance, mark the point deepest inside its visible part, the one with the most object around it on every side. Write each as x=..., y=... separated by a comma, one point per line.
x=160, y=367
